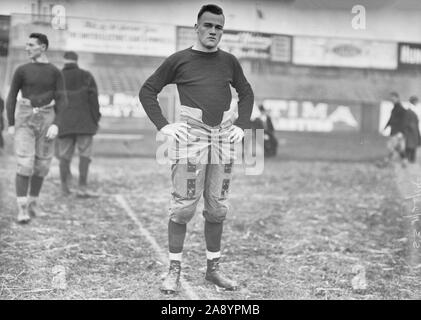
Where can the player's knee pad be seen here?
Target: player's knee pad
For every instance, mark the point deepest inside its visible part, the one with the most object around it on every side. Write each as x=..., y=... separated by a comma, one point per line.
x=42, y=167
x=182, y=215
x=216, y=215
x=182, y=209
x=24, y=170
x=25, y=165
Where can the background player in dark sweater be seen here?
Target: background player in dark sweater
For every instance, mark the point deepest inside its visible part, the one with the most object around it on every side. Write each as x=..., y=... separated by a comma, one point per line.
x=203, y=75
x=34, y=120
x=79, y=123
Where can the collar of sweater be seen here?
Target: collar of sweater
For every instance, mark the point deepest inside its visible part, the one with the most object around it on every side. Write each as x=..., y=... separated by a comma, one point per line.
x=70, y=66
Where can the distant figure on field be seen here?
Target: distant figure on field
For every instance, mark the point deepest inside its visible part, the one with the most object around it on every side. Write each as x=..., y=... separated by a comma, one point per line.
x=80, y=123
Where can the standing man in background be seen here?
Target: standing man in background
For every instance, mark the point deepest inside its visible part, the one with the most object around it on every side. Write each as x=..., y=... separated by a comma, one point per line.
x=397, y=123
x=264, y=121
x=414, y=105
x=413, y=139
x=79, y=123
x=34, y=120
x=203, y=74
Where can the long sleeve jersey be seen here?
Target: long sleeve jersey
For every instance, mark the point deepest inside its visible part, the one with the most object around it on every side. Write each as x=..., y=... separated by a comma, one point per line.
x=83, y=112
x=203, y=81
x=40, y=83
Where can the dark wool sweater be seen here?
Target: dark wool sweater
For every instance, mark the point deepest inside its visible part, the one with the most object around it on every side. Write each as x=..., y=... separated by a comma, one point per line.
x=203, y=81
x=40, y=83
x=82, y=115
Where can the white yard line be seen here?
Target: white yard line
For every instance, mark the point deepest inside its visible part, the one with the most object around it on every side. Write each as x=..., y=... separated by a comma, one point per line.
x=152, y=241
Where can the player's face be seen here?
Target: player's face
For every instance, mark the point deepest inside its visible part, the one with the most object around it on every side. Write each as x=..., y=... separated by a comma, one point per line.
x=209, y=30
x=34, y=48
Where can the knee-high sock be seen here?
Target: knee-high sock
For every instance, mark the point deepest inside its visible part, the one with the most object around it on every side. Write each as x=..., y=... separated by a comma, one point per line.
x=83, y=170
x=213, y=235
x=64, y=167
x=176, y=236
x=22, y=184
x=36, y=184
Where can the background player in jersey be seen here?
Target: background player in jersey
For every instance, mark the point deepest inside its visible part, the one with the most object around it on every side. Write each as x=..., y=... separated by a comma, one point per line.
x=203, y=74
x=34, y=120
x=79, y=123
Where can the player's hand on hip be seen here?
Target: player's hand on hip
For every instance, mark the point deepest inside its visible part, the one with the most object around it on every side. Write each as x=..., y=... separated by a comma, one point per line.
x=11, y=130
x=52, y=132
x=177, y=130
x=236, y=134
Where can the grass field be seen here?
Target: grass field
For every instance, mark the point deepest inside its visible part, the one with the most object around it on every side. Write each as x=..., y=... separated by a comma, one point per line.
x=295, y=232
x=298, y=231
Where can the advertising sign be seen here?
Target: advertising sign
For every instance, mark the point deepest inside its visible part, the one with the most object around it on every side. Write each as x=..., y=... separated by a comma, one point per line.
x=354, y=53
x=120, y=37
x=294, y=115
x=102, y=36
x=409, y=55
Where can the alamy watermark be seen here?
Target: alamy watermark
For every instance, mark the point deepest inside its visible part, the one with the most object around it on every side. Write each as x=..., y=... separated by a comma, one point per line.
x=358, y=22
x=58, y=21
x=415, y=213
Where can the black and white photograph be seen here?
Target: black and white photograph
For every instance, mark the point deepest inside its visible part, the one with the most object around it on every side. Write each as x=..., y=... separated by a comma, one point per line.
x=223, y=153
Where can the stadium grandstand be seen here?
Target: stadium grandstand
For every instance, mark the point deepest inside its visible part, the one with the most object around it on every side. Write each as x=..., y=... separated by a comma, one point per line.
x=307, y=64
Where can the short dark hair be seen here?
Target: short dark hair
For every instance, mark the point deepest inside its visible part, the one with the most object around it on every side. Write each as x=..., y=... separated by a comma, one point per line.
x=42, y=38
x=413, y=100
x=212, y=8
x=70, y=55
